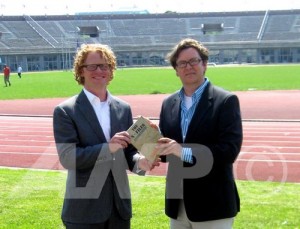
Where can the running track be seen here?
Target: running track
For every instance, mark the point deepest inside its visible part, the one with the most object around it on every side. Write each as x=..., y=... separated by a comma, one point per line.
x=270, y=151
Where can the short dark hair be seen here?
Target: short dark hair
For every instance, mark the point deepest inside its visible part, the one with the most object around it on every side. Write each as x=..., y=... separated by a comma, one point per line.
x=185, y=44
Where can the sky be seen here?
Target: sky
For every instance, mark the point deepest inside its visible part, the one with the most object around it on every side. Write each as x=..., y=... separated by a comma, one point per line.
x=61, y=7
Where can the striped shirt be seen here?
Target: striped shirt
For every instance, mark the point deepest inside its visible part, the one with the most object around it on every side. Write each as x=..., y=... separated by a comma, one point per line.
x=188, y=106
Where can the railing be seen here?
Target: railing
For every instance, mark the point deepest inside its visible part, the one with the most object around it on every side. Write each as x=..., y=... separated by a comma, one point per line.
x=263, y=26
x=41, y=31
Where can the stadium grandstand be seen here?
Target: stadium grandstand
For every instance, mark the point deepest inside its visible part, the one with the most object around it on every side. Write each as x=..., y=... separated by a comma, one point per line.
x=39, y=43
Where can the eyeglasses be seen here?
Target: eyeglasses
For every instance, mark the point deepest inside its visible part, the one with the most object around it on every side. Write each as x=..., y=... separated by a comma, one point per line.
x=191, y=62
x=93, y=67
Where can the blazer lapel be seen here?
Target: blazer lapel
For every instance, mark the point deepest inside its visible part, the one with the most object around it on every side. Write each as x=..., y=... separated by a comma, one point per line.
x=113, y=107
x=88, y=113
x=202, y=108
x=120, y=117
x=175, y=119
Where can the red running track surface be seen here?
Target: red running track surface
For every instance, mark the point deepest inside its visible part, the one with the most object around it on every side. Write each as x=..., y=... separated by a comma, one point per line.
x=270, y=151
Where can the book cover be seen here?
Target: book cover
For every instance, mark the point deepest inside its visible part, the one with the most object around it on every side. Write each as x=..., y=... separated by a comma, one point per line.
x=144, y=137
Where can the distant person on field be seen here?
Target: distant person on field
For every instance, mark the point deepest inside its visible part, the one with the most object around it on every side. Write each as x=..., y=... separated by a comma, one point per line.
x=20, y=71
x=6, y=72
x=90, y=131
x=202, y=128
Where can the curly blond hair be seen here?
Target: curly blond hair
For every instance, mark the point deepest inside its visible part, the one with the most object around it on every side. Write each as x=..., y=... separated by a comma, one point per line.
x=81, y=55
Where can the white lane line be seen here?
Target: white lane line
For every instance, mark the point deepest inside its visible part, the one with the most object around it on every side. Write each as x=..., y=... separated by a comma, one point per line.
x=262, y=160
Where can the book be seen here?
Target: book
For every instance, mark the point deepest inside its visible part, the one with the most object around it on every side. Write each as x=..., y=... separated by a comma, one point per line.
x=144, y=138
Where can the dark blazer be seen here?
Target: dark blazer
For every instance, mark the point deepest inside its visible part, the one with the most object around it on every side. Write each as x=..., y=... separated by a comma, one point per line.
x=96, y=178
x=217, y=125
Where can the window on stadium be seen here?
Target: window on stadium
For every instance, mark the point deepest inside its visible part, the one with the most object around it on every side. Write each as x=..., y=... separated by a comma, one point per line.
x=50, y=62
x=33, y=63
x=285, y=55
x=267, y=55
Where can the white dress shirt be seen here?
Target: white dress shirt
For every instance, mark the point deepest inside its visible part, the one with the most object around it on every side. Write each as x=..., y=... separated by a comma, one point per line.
x=102, y=111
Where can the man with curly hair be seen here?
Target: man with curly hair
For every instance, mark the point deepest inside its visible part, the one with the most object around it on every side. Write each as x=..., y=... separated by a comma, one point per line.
x=93, y=144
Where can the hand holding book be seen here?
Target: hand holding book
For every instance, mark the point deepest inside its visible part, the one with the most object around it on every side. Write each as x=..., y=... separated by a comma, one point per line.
x=144, y=135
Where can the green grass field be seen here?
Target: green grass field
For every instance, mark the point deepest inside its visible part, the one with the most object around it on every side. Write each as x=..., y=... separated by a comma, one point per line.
x=33, y=199
x=154, y=81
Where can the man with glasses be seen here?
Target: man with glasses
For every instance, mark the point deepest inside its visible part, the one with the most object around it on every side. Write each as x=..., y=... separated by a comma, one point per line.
x=202, y=129
x=94, y=146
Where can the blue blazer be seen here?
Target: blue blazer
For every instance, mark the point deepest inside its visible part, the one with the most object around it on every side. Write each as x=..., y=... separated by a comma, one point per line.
x=96, y=178
x=217, y=125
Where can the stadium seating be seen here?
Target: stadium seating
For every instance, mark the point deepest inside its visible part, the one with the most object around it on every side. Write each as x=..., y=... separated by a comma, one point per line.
x=151, y=30
x=142, y=32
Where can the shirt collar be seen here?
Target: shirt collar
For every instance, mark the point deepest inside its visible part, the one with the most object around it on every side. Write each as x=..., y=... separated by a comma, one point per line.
x=197, y=94
x=91, y=97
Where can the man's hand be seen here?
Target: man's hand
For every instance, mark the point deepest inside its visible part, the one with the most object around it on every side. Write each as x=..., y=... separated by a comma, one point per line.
x=168, y=146
x=146, y=165
x=119, y=141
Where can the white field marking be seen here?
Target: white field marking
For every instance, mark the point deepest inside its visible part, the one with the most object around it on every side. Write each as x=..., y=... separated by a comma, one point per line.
x=261, y=160
x=269, y=153
x=26, y=153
